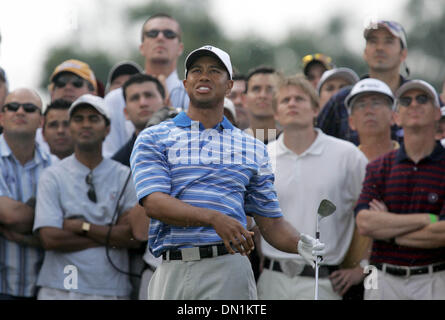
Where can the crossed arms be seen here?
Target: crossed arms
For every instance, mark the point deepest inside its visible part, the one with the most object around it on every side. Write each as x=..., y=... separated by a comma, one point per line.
x=412, y=230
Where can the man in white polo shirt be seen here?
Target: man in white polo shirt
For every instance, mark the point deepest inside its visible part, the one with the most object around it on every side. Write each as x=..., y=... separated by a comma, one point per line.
x=310, y=166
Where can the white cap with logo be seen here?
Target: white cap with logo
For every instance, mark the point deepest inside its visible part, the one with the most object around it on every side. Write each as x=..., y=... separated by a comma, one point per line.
x=88, y=99
x=368, y=85
x=209, y=51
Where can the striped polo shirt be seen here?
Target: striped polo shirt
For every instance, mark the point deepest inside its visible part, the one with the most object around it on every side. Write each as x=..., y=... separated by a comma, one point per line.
x=406, y=187
x=222, y=169
x=19, y=264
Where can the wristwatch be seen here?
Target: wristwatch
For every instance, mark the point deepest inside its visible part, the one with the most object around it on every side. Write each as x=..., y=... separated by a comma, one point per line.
x=85, y=228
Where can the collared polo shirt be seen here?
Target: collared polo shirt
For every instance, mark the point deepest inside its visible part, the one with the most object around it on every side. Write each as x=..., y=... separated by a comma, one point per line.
x=330, y=169
x=19, y=264
x=406, y=187
x=223, y=169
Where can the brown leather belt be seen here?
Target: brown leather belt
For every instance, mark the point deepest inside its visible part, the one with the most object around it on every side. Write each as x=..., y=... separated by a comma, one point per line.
x=308, y=271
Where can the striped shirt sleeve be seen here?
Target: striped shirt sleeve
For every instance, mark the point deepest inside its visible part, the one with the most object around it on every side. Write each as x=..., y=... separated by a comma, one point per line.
x=149, y=166
x=370, y=189
x=261, y=197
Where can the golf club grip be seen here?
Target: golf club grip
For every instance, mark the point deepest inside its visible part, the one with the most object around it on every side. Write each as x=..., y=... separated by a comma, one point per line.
x=317, y=235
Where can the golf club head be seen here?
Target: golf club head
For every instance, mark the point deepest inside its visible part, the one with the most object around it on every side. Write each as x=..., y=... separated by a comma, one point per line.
x=326, y=208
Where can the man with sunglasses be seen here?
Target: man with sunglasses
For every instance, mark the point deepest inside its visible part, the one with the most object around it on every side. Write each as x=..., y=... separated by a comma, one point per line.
x=21, y=164
x=71, y=79
x=402, y=204
x=385, y=52
x=81, y=214
x=161, y=47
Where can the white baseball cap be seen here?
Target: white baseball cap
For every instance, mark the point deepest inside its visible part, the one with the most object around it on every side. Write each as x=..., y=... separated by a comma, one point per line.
x=368, y=85
x=393, y=27
x=209, y=51
x=345, y=73
x=88, y=99
x=228, y=104
x=421, y=85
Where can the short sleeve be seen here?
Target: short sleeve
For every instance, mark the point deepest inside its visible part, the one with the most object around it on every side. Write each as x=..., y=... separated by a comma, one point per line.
x=149, y=166
x=261, y=197
x=49, y=212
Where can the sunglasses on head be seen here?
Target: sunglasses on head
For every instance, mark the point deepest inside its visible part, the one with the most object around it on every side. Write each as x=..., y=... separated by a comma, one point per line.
x=15, y=106
x=62, y=81
x=91, y=192
x=153, y=33
x=420, y=99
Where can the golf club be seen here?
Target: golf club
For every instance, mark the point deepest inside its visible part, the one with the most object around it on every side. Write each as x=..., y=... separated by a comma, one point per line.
x=325, y=209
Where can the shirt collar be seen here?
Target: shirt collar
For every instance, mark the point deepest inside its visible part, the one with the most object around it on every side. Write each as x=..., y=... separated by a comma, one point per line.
x=437, y=154
x=183, y=120
x=39, y=154
x=316, y=148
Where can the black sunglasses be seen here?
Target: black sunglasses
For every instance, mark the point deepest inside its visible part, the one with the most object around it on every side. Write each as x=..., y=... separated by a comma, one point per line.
x=169, y=34
x=420, y=99
x=62, y=81
x=91, y=192
x=15, y=106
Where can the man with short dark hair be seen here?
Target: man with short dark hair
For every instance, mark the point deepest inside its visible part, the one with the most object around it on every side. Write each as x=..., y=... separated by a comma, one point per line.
x=198, y=199
x=385, y=52
x=55, y=128
x=259, y=101
x=161, y=46
x=144, y=95
x=237, y=96
x=402, y=204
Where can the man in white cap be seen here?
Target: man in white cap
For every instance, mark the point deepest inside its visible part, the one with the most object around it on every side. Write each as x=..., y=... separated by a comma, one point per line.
x=198, y=199
x=370, y=105
x=332, y=81
x=385, y=52
x=81, y=215
x=230, y=111
x=402, y=205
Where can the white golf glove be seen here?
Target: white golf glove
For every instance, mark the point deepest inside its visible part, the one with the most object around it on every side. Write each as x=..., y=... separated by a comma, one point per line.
x=309, y=248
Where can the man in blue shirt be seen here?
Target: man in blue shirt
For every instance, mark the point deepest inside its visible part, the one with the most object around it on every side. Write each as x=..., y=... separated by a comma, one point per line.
x=197, y=177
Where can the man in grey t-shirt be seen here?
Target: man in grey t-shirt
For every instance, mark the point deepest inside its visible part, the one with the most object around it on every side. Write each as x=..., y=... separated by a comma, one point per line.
x=78, y=201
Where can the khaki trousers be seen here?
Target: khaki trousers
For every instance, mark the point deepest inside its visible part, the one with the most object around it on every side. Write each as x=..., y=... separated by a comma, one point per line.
x=419, y=287
x=275, y=285
x=227, y=277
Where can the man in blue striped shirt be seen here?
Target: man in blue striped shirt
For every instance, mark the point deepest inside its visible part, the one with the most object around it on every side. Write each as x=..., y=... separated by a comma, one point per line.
x=21, y=163
x=197, y=177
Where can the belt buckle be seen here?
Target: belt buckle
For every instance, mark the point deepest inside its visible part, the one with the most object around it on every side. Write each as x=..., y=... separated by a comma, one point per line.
x=291, y=268
x=408, y=271
x=190, y=254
